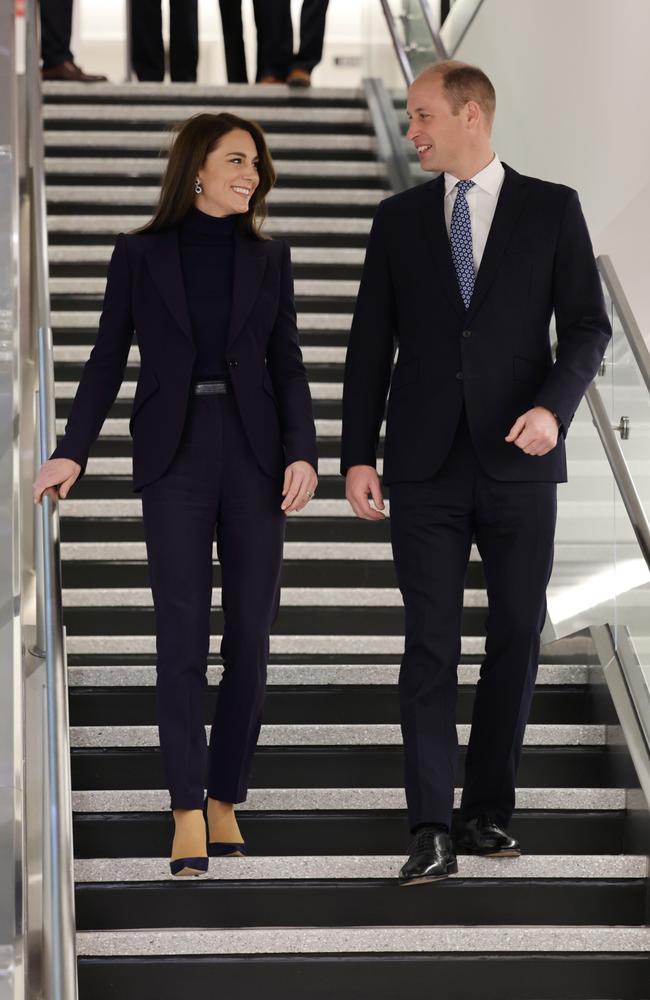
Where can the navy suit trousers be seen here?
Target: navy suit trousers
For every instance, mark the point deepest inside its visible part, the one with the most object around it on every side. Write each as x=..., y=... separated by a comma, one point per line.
x=214, y=486
x=433, y=524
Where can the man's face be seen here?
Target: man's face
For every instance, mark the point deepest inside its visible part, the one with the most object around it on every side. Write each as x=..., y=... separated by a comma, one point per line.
x=438, y=135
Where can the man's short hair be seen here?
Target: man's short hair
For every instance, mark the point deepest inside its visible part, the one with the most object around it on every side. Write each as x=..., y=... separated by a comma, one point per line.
x=462, y=83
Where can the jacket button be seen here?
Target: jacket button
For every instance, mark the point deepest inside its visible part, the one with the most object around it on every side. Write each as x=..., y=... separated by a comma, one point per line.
x=467, y=333
x=233, y=363
x=459, y=376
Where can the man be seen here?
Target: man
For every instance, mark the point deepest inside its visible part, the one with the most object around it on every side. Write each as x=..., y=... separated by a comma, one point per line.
x=275, y=37
x=147, y=47
x=56, y=29
x=464, y=273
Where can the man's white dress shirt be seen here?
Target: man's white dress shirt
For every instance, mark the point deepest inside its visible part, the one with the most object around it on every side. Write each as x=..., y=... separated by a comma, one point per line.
x=481, y=201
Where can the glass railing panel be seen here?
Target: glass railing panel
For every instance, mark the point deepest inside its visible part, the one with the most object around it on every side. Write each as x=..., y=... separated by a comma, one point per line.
x=629, y=412
x=583, y=589
x=379, y=56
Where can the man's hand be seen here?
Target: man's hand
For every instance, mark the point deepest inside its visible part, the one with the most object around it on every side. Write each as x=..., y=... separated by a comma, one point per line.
x=300, y=481
x=55, y=479
x=535, y=431
x=360, y=482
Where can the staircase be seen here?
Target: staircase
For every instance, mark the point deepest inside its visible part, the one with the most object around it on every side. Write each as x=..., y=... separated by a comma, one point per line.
x=316, y=909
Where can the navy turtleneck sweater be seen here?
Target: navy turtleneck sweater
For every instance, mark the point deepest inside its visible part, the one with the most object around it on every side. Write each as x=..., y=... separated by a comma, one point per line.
x=207, y=249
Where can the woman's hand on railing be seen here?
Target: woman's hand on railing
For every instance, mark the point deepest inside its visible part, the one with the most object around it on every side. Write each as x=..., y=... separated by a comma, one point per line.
x=55, y=478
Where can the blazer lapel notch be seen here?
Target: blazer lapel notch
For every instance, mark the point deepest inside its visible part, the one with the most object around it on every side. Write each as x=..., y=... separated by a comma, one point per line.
x=165, y=267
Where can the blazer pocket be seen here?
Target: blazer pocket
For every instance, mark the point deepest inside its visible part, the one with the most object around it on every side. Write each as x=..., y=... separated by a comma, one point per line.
x=524, y=370
x=147, y=385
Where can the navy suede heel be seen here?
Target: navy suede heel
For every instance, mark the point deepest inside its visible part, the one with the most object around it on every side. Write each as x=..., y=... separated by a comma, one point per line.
x=189, y=866
x=221, y=849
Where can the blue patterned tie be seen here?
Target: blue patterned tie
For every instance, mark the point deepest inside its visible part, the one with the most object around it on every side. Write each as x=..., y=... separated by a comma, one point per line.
x=460, y=235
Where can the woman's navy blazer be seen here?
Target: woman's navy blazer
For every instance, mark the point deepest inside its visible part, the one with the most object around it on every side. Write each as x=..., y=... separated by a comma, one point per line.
x=145, y=294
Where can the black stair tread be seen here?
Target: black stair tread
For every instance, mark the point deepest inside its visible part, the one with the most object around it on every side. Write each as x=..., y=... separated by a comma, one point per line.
x=282, y=126
x=523, y=976
x=285, y=180
x=343, y=704
x=306, y=238
x=351, y=767
x=295, y=573
x=358, y=832
x=290, y=620
x=319, y=530
x=207, y=903
x=94, y=487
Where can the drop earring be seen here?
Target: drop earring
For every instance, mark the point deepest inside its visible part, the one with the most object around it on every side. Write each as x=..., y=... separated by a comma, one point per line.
x=197, y=186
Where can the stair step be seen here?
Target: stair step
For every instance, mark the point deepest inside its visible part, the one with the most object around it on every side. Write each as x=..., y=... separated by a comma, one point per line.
x=144, y=115
x=338, y=867
x=368, y=645
x=351, y=199
x=65, y=390
x=120, y=143
x=587, y=968
x=335, y=735
x=300, y=799
x=232, y=93
x=314, y=674
x=96, y=286
x=360, y=831
x=364, y=766
x=280, y=940
x=322, y=256
x=322, y=703
x=218, y=904
x=311, y=597
x=126, y=170
x=89, y=320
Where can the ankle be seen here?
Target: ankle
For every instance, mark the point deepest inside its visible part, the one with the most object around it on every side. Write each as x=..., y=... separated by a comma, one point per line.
x=189, y=815
x=218, y=805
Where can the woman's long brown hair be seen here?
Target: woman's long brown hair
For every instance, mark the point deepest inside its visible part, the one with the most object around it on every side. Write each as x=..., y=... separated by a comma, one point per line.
x=195, y=138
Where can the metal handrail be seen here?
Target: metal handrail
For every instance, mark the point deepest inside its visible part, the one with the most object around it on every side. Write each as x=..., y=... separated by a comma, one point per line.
x=631, y=328
x=400, y=51
x=60, y=972
x=437, y=42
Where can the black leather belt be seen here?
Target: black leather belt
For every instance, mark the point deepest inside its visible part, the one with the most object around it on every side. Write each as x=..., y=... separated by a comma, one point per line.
x=207, y=388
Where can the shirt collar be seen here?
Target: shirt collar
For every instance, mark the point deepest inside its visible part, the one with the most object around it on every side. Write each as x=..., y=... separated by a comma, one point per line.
x=488, y=179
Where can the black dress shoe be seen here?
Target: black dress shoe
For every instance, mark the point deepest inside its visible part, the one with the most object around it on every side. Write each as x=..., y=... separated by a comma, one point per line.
x=432, y=858
x=481, y=835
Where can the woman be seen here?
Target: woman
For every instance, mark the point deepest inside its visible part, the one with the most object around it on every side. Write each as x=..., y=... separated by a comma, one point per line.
x=223, y=439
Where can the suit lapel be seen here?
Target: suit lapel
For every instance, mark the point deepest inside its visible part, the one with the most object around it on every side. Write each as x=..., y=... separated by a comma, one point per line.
x=434, y=230
x=249, y=267
x=165, y=266
x=508, y=209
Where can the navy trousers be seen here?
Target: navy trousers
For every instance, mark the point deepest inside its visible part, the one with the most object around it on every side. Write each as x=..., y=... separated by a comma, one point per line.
x=433, y=524
x=214, y=485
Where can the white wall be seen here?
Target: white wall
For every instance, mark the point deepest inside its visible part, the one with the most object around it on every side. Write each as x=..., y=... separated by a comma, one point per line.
x=573, y=105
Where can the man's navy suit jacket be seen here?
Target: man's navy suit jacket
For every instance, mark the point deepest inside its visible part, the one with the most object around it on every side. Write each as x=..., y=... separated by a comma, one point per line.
x=496, y=356
x=145, y=293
